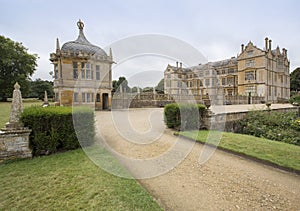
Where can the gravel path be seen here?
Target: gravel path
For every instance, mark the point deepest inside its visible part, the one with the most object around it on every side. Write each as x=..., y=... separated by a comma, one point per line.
x=225, y=182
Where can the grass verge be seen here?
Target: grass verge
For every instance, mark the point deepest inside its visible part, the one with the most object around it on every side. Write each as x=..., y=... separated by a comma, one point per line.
x=68, y=181
x=273, y=152
x=5, y=110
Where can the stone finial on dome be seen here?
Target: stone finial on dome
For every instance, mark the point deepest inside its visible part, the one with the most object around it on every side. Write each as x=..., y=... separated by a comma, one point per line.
x=80, y=24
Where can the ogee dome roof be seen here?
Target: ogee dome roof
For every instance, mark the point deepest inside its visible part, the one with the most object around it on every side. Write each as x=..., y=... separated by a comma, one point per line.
x=82, y=44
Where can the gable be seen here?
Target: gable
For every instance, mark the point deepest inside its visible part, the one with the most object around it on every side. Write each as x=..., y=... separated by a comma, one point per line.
x=251, y=51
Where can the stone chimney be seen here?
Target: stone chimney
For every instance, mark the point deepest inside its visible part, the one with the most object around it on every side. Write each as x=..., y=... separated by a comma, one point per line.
x=242, y=48
x=283, y=51
x=270, y=45
x=177, y=65
x=266, y=43
x=181, y=65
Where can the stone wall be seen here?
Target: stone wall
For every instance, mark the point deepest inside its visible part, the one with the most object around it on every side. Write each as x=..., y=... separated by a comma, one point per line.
x=14, y=144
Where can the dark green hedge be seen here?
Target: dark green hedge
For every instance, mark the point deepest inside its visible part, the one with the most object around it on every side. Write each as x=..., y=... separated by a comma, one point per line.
x=184, y=116
x=58, y=128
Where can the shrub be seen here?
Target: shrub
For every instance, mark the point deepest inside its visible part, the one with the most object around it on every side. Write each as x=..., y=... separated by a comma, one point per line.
x=54, y=128
x=184, y=116
x=278, y=126
x=295, y=99
x=171, y=115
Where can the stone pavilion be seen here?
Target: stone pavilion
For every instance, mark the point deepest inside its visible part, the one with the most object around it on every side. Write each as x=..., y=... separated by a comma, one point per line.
x=82, y=73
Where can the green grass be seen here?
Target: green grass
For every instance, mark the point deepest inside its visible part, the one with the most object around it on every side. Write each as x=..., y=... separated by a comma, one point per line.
x=278, y=153
x=68, y=181
x=5, y=110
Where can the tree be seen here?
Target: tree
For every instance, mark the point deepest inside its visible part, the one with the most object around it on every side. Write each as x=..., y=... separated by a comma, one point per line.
x=38, y=88
x=122, y=81
x=115, y=85
x=295, y=80
x=16, y=65
x=134, y=89
x=160, y=86
x=148, y=89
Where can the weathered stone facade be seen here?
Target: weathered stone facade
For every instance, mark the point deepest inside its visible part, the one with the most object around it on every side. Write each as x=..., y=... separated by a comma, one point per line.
x=82, y=73
x=256, y=72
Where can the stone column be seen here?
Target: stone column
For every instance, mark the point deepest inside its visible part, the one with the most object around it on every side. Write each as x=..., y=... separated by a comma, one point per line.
x=138, y=92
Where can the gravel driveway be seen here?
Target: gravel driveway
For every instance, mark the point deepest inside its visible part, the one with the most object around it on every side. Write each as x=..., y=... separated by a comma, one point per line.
x=169, y=169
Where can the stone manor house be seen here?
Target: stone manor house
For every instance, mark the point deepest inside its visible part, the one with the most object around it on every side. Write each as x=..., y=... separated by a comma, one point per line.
x=255, y=72
x=82, y=73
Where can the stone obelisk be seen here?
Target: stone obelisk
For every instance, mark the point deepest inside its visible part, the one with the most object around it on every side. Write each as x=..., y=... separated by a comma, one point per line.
x=14, y=138
x=16, y=109
x=46, y=103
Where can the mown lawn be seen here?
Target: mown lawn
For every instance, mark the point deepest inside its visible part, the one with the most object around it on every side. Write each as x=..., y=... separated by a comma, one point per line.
x=68, y=181
x=5, y=110
x=279, y=153
x=4, y=113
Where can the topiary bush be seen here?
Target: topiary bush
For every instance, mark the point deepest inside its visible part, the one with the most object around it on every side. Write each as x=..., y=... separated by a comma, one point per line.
x=58, y=128
x=184, y=116
x=172, y=115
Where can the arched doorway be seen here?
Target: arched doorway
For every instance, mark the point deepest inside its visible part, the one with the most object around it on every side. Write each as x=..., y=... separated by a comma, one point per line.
x=105, y=101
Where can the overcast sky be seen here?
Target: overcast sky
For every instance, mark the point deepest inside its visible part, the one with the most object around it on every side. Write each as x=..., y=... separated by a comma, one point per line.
x=214, y=28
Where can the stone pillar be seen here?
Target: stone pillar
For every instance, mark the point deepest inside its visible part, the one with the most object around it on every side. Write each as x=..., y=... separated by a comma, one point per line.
x=14, y=138
x=46, y=103
x=138, y=93
x=121, y=89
